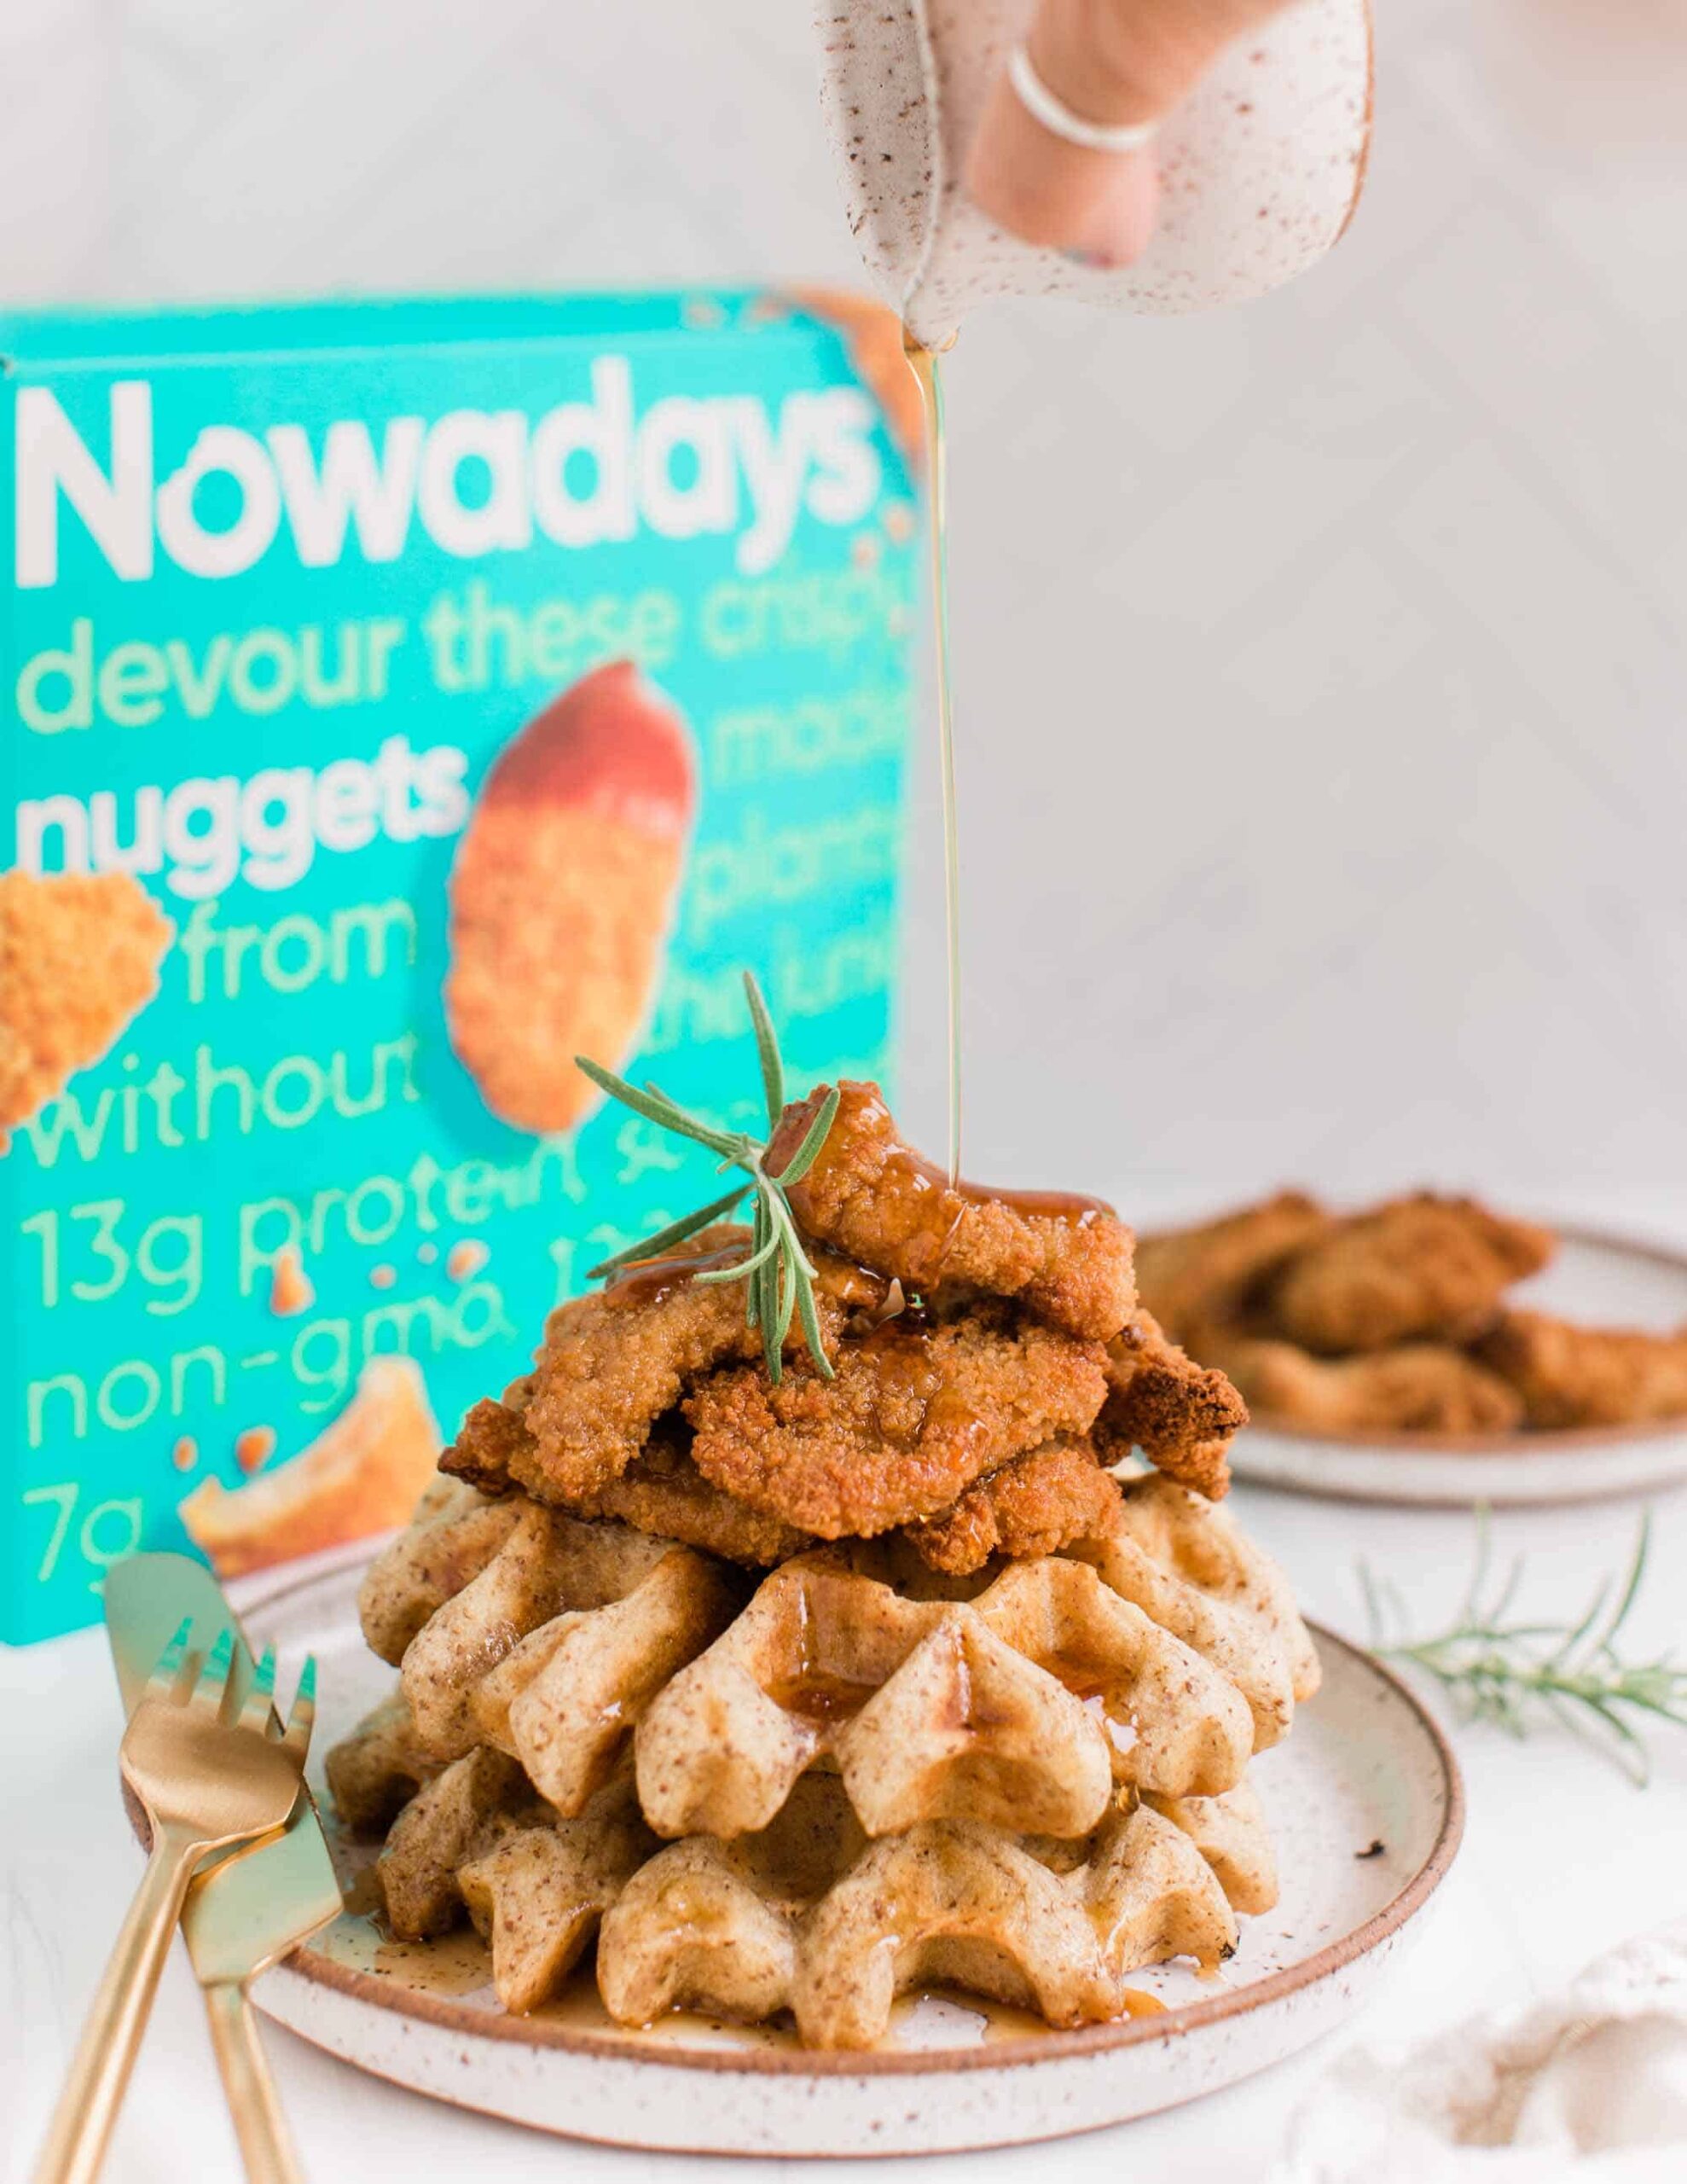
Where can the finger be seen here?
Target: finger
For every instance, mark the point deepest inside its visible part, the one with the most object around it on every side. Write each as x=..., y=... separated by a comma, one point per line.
x=1114, y=64
x=1096, y=208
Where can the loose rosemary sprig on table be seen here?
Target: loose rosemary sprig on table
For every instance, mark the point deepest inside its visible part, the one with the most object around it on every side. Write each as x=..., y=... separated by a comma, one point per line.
x=1506, y=1672
x=779, y=1278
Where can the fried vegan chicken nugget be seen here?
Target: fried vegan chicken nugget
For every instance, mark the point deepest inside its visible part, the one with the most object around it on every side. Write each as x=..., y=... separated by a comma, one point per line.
x=1202, y=1273
x=1067, y=1259
x=490, y=1441
x=1567, y=1376
x=79, y=955
x=1035, y=1505
x=910, y=1421
x=1183, y=1416
x=1423, y=1387
x=661, y=1493
x=611, y=1363
x=562, y=894
x=1423, y=1266
x=664, y=1494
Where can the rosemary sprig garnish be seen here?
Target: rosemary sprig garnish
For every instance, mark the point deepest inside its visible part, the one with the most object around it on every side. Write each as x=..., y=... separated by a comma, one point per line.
x=778, y=1277
x=1510, y=1673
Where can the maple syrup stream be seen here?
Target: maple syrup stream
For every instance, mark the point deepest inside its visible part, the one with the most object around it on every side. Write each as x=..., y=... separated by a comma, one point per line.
x=923, y=362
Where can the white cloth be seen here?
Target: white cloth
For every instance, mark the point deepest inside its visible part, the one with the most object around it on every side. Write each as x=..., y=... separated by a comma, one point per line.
x=1589, y=2088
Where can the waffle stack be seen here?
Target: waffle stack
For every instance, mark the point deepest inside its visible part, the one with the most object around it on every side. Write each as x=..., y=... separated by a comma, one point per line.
x=794, y=1695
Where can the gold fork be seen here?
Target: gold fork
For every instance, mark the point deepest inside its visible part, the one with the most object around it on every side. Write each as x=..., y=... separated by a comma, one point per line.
x=205, y=1784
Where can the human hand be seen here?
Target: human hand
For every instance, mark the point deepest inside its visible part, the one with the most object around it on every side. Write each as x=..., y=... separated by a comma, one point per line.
x=1111, y=65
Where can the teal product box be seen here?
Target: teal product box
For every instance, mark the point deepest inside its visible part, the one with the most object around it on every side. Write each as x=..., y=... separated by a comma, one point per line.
x=404, y=697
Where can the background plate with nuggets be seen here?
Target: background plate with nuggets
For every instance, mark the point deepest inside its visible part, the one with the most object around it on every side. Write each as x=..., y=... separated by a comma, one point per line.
x=1363, y=1805
x=1594, y=1280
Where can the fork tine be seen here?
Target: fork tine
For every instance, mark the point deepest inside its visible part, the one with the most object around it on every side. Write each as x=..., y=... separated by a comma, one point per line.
x=210, y=1691
x=255, y=1714
x=297, y=1734
x=164, y=1678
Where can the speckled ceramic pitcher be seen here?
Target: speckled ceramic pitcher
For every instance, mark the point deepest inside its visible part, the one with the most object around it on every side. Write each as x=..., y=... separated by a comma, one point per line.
x=1260, y=169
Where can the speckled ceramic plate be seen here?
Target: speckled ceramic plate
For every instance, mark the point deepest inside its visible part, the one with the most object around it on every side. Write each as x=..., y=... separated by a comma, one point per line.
x=1603, y=1280
x=1365, y=1809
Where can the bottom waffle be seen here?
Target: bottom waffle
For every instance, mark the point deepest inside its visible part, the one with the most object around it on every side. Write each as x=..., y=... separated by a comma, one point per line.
x=807, y=1915
x=810, y=1917
x=802, y=1794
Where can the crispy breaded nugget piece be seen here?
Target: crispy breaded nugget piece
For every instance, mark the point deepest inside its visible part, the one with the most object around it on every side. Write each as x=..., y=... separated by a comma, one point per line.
x=665, y=1494
x=661, y=1493
x=1183, y=1416
x=910, y=1421
x=1424, y=1387
x=1203, y=1272
x=491, y=1440
x=1569, y=1376
x=613, y=1362
x=1033, y=1506
x=79, y=959
x=1066, y=1258
x=1415, y=1267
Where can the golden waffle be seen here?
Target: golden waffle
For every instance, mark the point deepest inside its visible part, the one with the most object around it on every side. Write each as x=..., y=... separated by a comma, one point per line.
x=1230, y=1833
x=802, y=1915
x=1015, y=1697
x=453, y=1536
x=1020, y=1707
x=537, y=1634
x=376, y=1771
x=807, y=1916
x=476, y=1839
x=1185, y=1563
x=1030, y=1780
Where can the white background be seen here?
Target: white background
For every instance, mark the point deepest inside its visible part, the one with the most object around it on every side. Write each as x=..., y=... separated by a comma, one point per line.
x=1323, y=777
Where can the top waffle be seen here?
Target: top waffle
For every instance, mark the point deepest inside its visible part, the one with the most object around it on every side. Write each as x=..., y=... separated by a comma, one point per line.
x=1158, y=1654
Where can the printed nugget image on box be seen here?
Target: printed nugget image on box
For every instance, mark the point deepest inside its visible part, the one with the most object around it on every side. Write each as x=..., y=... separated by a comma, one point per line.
x=405, y=698
x=562, y=894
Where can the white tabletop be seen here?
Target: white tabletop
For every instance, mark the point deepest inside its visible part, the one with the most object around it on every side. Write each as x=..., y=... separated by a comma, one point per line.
x=1561, y=1858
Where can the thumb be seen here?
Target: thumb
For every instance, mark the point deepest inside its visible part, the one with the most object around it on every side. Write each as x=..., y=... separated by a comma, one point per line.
x=1112, y=64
